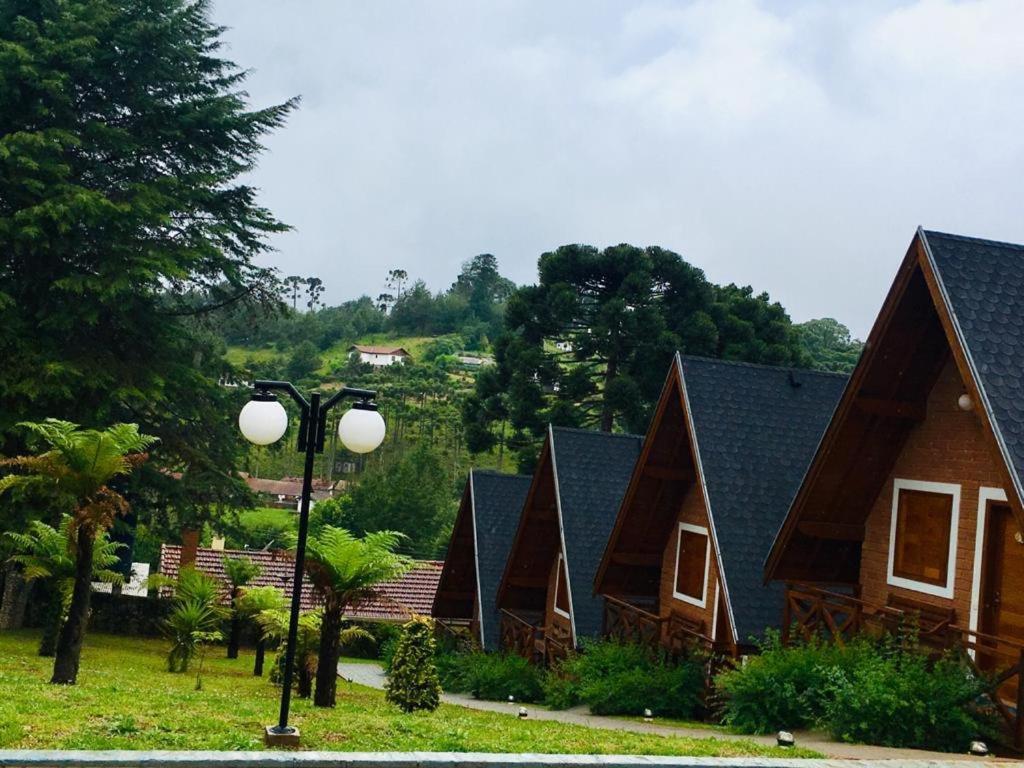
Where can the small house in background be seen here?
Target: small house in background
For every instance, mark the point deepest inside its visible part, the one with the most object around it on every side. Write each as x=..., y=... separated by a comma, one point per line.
x=725, y=453
x=546, y=599
x=911, y=508
x=379, y=356
x=481, y=539
x=286, y=492
x=396, y=601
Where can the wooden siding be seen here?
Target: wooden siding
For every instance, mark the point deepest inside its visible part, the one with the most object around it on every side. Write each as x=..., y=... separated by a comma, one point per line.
x=692, y=511
x=949, y=446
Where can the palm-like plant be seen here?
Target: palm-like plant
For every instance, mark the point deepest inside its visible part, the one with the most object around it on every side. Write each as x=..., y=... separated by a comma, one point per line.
x=251, y=603
x=240, y=571
x=345, y=569
x=79, y=465
x=274, y=626
x=194, y=618
x=47, y=555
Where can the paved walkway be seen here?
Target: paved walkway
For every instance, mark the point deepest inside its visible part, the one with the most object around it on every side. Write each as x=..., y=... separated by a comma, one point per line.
x=372, y=676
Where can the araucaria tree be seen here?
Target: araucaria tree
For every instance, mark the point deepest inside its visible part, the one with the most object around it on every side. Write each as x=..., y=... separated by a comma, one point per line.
x=124, y=135
x=80, y=465
x=345, y=569
x=588, y=345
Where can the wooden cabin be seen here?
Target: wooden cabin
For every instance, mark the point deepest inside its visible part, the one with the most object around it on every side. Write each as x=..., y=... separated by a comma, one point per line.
x=912, y=504
x=545, y=598
x=481, y=539
x=725, y=453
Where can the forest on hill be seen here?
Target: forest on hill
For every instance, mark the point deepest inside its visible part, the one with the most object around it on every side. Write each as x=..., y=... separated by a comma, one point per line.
x=491, y=363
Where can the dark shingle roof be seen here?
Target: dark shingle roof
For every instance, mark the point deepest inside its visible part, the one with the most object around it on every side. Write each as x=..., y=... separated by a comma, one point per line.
x=757, y=428
x=497, y=503
x=984, y=285
x=592, y=471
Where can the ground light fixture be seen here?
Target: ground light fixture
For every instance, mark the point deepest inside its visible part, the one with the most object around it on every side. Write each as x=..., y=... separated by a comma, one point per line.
x=785, y=739
x=263, y=421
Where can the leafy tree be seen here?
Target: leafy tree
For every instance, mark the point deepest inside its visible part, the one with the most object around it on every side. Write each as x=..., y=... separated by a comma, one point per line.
x=829, y=345
x=345, y=569
x=304, y=361
x=250, y=604
x=412, y=496
x=79, y=464
x=123, y=223
x=47, y=555
x=240, y=571
x=194, y=618
x=589, y=344
x=414, y=312
x=413, y=682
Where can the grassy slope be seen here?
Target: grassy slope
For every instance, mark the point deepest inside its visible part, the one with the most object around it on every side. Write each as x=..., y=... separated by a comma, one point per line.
x=126, y=700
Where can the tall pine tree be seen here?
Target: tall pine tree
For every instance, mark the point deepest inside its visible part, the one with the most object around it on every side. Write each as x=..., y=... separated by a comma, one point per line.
x=124, y=136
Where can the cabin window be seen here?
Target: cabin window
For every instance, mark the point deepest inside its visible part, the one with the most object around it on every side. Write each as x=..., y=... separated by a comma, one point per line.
x=693, y=558
x=561, y=590
x=922, y=539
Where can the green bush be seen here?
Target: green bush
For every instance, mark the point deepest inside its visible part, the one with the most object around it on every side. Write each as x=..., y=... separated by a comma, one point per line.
x=369, y=646
x=872, y=691
x=625, y=679
x=903, y=700
x=496, y=676
x=412, y=681
x=784, y=687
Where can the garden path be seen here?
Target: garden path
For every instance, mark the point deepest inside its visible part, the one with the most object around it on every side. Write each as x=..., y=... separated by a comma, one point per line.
x=372, y=676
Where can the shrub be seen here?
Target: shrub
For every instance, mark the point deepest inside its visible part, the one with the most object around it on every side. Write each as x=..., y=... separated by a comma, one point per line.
x=371, y=644
x=496, y=676
x=883, y=692
x=783, y=687
x=615, y=678
x=903, y=700
x=412, y=680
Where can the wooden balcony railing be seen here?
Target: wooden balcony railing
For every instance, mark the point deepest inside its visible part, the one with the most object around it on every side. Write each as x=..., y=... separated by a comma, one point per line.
x=519, y=636
x=811, y=612
x=463, y=633
x=630, y=624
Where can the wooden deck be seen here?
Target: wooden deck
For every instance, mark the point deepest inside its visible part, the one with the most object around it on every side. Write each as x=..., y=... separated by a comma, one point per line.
x=811, y=612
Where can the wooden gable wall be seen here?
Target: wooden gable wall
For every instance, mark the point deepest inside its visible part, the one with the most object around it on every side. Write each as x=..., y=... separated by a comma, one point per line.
x=456, y=596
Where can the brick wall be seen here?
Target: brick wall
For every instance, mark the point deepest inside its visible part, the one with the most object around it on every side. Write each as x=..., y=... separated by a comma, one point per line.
x=692, y=511
x=950, y=446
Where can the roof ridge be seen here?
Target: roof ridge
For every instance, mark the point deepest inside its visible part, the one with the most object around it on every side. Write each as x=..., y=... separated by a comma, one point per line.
x=585, y=431
x=765, y=366
x=498, y=473
x=971, y=239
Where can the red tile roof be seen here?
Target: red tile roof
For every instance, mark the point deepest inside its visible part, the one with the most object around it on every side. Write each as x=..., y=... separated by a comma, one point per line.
x=394, y=601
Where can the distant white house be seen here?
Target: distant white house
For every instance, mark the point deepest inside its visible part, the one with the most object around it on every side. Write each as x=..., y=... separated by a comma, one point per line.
x=379, y=356
x=475, y=361
x=563, y=346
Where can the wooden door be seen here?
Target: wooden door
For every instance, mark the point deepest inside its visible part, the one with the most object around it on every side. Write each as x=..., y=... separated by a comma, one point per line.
x=1002, y=589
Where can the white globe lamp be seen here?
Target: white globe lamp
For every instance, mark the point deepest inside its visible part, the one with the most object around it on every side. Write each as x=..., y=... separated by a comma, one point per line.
x=361, y=429
x=263, y=420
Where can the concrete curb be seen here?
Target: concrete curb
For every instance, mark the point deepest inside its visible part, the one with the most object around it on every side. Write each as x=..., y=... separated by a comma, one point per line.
x=185, y=759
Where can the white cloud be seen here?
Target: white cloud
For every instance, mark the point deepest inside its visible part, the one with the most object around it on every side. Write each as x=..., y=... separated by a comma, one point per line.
x=794, y=146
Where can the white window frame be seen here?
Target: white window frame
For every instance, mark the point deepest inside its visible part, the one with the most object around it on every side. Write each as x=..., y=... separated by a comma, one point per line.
x=946, y=489
x=986, y=495
x=558, y=579
x=702, y=602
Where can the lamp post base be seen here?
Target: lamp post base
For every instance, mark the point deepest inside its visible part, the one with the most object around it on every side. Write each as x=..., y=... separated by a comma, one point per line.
x=276, y=737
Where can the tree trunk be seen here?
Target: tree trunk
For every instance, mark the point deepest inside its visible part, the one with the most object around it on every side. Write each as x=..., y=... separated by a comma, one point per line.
x=261, y=649
x=52, y=618
x=607, y=413
x=327, y=662
x=235, y=631
x=72, y=634
x=305, y=680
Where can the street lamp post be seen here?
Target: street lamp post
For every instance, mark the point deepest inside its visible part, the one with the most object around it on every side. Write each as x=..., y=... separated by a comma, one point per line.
x=263, y=421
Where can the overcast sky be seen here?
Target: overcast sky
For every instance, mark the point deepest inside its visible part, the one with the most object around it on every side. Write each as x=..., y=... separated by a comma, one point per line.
x=793, y=146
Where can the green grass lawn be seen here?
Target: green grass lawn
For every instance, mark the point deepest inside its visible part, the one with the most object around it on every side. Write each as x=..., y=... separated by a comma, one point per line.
x=125, y=699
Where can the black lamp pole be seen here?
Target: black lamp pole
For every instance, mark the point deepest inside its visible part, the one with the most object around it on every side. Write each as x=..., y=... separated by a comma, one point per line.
x=312, y=426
